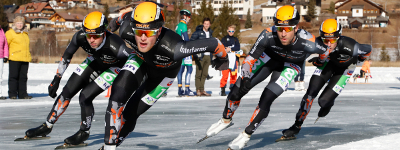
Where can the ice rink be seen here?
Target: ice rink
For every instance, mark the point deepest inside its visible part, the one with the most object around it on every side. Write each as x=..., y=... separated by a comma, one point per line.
x=365, y=116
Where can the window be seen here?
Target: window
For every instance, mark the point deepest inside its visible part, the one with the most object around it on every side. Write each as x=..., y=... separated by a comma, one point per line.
x=240, y=2
x=340, y=19
x=376, y=11
x=347, y=11
x=365, y=11
x=241, y=9
x=357, y=11
x=215, y=2
x=304, y=7
x=220, y=2
x=198, y=3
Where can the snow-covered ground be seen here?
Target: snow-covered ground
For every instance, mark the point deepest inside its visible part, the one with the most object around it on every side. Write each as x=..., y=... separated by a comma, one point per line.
x=365, y=116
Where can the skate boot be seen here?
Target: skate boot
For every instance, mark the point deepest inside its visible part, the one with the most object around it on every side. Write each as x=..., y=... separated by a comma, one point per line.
x=217, y=127
x=181, y=92
x=301, y=86
x=240, y=142
x=323, y=111
x=41, y=130
x=289, y=134
x=78, y=138
x=293, y=130
x=223, y=91
x=189, y=92
x=297, y=86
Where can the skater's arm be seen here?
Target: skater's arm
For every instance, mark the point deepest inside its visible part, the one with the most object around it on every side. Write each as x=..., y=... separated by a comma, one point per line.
x=68, y=54
x=255, y=52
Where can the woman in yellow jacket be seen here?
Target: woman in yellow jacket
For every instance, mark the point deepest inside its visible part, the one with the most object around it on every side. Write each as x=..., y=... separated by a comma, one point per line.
x=19, y=57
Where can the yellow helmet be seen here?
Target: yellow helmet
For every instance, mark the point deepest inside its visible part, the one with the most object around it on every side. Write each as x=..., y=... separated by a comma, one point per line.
x=94, y=23
x=330, y=28
x=147, y=15
x=286, y=15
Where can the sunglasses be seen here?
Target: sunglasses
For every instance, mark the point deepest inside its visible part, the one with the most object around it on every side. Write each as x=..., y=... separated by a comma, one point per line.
x=148, y=33
x=231, y=31
x=286, y=28
x=95, y=36
x=331, y=40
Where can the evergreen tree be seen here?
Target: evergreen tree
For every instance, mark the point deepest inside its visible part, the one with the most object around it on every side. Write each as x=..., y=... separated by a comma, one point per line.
x=248, y=23
x=332, y=8
x=226, y=17
x=384, y=55
x=106, y=11
x=311, y=11
x=206, y=10
x=3, y=19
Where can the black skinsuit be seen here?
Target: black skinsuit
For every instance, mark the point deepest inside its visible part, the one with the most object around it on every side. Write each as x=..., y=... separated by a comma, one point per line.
x=337, y=69
x=267, y=56
x=147, y=75
x=93, y=76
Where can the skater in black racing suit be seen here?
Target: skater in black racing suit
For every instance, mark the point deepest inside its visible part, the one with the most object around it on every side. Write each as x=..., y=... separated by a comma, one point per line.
x=337, y=70
x=150, y=70
x=279, y=50
x=107, y=54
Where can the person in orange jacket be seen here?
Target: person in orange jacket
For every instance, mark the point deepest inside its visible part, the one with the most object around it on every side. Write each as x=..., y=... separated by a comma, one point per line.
x=365, y=68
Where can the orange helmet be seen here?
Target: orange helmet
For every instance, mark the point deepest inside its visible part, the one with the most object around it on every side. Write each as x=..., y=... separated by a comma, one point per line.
x=94, y=23
x=147, y=15
x=330, y=28
x=286, y=15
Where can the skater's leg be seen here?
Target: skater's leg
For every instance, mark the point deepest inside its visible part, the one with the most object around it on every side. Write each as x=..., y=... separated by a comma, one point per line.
x=89, y=93
x=145, y=97
x=124, y=85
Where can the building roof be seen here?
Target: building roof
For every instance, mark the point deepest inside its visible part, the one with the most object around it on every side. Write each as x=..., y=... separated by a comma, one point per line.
x=37, y=6
x=10, y=9
x=351, y=20
x=381, y=18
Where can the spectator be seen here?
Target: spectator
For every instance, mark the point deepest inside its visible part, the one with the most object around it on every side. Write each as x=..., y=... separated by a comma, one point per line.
x=232, y=45
x=202, y=32
x=299, y=79
x=365, y=68
x=3, y=57
x=18, y=43
x=181, y=29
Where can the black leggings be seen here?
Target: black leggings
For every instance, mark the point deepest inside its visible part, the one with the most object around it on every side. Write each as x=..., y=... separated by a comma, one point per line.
x=327, y=98
x=148, y=85
x=270, y=93
x=89, y=91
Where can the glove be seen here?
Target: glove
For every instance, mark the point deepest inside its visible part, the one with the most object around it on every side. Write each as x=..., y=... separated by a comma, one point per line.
x=54, y=86
x=360, y=59
x=220, y=64
x=5, y=60
x=245, y=85
x=113, y=25
x=315, y=61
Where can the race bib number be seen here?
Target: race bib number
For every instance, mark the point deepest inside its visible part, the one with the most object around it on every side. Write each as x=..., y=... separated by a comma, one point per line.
x=318, y=70
x=155, y=94
x=289, y=72
x=341, y=83
x=264, y=58
x=106, y=79
x=81, y=67
x=133, y=63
